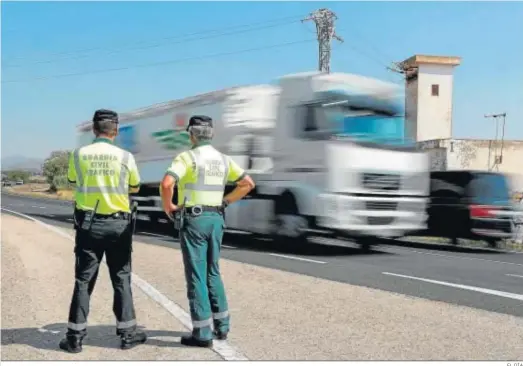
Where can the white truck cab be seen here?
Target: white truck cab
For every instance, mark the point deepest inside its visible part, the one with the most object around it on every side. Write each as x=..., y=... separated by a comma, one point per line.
x=339, y=164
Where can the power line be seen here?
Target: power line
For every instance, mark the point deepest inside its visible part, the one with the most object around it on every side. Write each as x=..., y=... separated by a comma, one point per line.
x=116, y=51
x=365, y=54
x=281, y=21
x=161, y=63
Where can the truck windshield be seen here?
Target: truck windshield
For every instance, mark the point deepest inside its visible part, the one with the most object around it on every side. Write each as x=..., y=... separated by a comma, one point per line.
x=364, y=126
x=371, y=128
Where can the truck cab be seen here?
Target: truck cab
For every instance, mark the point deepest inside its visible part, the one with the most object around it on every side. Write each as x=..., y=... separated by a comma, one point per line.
x=339, y=163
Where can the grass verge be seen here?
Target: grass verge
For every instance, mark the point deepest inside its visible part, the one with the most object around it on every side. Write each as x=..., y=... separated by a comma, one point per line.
x=508, y=244
x=41, y=192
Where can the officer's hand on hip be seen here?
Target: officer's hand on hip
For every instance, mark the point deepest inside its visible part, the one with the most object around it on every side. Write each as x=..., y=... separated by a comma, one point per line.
x=169, y=209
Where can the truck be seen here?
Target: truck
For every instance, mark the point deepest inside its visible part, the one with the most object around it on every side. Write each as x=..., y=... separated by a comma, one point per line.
x=327, y=153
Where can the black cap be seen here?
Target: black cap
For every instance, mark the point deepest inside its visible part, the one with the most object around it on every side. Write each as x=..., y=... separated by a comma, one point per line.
x=204, y=121
x=105, y=115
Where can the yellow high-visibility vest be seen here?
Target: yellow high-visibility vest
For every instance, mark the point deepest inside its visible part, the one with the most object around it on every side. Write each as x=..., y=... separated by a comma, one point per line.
x=201, y=175
x=103, y=172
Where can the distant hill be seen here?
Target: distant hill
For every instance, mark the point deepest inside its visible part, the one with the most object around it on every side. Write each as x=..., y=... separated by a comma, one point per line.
x=19, y=162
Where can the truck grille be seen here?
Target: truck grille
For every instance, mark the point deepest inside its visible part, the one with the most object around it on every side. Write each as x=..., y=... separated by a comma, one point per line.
x=381, y=182
x=381, y=206
x=380, y=220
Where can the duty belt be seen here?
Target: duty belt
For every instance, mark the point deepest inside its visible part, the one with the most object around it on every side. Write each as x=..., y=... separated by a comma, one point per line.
x=198, y=209
x=116, y=215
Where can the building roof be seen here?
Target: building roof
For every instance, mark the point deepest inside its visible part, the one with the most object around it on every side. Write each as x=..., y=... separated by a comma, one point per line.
x=416, y=60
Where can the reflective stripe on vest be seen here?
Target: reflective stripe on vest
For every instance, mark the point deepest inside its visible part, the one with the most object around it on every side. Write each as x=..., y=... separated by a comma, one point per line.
x=123, y=187
x=200, y=185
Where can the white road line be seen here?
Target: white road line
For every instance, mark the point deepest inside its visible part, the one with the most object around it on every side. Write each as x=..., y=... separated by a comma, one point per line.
x=448, y=256
x=508, y=295
x=296, y=258
x=69, y=219
x=228, y=246
x=41, y=207
x=223, y=348
x=514, y=275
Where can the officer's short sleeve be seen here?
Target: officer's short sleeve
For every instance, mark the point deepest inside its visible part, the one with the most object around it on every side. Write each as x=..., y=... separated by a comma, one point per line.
x=134, y=174
x=235, y=173
x=178, y=168
x=71, y=170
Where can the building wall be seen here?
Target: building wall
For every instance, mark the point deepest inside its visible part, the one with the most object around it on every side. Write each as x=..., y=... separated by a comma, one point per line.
x=451, y=154
x=411, y=110
x=433, y=114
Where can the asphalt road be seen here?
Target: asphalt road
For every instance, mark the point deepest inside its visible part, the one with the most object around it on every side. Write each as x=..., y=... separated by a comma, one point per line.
x=475, y=277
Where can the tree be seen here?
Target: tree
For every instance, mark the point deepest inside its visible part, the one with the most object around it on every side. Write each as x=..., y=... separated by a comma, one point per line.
x=14, y=175
x=55, y=169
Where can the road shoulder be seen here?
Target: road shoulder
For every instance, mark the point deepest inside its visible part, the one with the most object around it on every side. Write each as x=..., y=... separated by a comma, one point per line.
x=37, y=283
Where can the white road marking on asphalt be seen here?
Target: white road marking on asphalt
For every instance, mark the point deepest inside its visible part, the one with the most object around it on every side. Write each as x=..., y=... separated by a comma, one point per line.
x=228, y=246
x=223, y=348
x=296, y=258
x=448, y=256
x=508, y=295
x=41, y=207
x=42, y=330
x=69, y=219
x=514, y=275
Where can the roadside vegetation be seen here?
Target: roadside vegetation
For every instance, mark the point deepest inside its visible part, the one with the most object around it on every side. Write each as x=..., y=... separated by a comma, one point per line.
x=52, y=183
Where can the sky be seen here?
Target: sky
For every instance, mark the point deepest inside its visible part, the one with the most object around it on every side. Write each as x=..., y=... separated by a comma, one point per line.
x=160, y=51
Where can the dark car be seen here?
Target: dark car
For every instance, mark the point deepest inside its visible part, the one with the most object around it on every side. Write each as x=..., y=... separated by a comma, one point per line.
x=472, y=205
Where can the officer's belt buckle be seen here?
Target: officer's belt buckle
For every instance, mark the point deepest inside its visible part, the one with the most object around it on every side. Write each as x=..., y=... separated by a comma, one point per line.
x=196, y=210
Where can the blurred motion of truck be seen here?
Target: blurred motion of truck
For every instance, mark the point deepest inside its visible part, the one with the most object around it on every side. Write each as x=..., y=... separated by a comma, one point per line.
x=326, y=151
x=474, y=205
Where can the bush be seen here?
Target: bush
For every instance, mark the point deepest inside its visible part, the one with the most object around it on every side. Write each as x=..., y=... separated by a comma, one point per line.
x=15, y=175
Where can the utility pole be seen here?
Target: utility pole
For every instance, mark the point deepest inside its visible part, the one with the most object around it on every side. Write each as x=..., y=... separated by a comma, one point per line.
x=498, y=159
x=324, y=20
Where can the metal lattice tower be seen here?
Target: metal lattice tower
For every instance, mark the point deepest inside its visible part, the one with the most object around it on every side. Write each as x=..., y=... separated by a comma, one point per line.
x=324, y=20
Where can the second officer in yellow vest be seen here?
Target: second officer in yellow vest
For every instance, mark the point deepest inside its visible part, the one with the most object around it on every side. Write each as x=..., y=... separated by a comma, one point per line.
x=104, y=176
x=201, y=175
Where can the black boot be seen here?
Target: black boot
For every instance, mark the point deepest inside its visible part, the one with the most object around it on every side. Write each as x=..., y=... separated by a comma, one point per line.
x=131, y=340
x=222, y=336
x=71, y=344
x=193, y=342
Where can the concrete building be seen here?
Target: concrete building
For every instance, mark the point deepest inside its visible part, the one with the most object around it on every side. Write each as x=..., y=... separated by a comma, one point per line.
x=428, y=96
x=428, y=114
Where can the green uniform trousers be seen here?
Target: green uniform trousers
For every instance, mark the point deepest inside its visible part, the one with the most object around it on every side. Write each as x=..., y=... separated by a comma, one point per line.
x=201, y=239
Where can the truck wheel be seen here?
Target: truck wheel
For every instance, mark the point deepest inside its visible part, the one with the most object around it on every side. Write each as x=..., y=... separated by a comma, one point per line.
x=365, y=243
x=290, y=228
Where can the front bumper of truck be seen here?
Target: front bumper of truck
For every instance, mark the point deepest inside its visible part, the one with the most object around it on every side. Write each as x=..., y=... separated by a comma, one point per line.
x=379, y=216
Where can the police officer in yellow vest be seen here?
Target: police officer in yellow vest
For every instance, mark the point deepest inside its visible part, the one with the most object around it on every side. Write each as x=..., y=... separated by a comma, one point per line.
x=201, y=175
x=104, y=176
